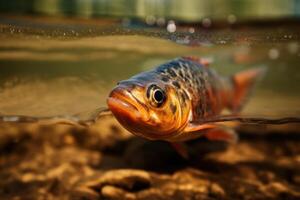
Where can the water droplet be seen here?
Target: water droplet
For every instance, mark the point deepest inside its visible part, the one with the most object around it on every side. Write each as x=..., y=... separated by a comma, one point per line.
x=231, y=19
x=293, y=47
x=161, y=21
x=206, y=22
x=274, y=53
x=150, y=20
x=171, y=27
x=191, y=30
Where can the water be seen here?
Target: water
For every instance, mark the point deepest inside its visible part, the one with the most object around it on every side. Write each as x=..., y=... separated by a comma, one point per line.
x=54, y=66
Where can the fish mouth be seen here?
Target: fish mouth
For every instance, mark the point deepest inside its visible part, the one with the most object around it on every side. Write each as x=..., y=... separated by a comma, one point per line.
x=123, y=104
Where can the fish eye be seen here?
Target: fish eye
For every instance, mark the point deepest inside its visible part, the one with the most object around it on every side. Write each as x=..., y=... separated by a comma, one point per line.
x=156, y=95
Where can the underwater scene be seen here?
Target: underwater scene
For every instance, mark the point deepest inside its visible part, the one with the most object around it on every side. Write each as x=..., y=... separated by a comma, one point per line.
x=65, y=135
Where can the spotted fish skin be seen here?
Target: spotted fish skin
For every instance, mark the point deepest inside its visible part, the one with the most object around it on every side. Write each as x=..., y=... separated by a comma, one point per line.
x=168, y=102
x=198, y=85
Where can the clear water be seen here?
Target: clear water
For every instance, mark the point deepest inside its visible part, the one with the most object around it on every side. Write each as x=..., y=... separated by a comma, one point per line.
x=51, y=66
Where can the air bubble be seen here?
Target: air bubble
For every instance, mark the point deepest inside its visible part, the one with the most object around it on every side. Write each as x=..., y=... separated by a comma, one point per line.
x=231, y=19
x=161, y=21
x=191, y=30
x=150, y=20
x=171, y=27
x=273, y=53
x=293, y=47
x=206, y=22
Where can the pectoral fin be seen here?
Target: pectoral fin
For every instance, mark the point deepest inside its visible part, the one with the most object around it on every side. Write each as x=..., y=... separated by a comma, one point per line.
x=213, y=132
x=221, y=133
x=191, y=127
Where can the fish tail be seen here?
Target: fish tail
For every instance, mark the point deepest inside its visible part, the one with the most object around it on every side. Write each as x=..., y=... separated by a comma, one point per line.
x=243, y=84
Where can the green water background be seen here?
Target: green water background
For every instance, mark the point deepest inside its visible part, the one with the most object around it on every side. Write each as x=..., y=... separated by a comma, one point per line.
x=63, y=57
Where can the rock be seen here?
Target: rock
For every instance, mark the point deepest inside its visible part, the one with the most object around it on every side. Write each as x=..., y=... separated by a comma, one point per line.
x=111, y=192
x=105, y=163
x=131, y=180
x=216, y=190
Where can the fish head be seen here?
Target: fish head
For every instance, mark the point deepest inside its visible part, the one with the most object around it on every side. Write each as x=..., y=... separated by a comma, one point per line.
x=148, y=108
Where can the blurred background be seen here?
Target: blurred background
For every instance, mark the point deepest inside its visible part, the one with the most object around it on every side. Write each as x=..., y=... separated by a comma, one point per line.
x=60, y=57
x=190, y=10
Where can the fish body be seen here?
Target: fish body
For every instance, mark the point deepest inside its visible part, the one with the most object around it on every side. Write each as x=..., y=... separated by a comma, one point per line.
x=170, y=101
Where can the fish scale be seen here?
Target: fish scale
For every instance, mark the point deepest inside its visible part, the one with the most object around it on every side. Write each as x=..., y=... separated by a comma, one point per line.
x=194, y=80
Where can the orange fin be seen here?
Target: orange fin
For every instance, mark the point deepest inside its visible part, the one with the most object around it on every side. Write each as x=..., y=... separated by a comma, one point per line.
x=192, y=127
x=203, y=61
x=244, y=83
x=181, y=149
x=221, y=133
x=212, y=131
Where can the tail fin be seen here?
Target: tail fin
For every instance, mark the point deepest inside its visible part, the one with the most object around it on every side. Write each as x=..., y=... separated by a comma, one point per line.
x=243, y=84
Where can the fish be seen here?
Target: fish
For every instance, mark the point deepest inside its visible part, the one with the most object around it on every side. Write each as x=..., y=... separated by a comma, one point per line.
x=172, y=101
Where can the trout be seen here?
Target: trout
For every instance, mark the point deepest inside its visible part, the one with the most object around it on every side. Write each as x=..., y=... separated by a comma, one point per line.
x=171, y=101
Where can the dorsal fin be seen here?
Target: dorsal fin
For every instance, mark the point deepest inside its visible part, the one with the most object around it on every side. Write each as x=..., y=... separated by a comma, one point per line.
x=203, y=61
x=244, y=83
